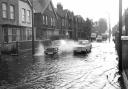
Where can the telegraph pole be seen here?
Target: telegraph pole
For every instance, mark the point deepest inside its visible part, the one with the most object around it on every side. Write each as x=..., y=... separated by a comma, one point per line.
x=120, y=33
x=33, y=46
x=109, y=29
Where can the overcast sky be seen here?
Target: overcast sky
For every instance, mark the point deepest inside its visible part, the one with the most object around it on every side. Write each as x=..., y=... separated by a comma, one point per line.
x=94, y=9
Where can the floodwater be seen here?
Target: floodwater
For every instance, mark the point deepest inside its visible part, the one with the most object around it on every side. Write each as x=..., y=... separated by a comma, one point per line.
x=96, y=70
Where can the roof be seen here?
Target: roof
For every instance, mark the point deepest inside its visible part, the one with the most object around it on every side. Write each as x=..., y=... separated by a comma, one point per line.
x=38, y=6
x=27, y=1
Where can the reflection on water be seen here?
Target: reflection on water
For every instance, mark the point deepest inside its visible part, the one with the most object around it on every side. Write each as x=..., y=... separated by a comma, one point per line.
x=4, y=70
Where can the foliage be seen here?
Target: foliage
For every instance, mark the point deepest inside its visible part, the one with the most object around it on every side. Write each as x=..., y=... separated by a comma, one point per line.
x=102, y=24
x=88, y=27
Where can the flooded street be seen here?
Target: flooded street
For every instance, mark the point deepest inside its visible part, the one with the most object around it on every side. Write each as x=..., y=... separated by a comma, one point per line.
x=96, y=70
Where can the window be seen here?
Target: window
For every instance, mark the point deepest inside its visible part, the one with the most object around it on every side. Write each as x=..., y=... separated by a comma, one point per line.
x=43, y=19
x=5, y=34
x=23, y=15
x=23, y=34
x=4, y=10
x=12, y=34
x=28, y=16
x=9, y=34
x=11, y=12
x=51, y=22
x=29, y=34
x=46, y=20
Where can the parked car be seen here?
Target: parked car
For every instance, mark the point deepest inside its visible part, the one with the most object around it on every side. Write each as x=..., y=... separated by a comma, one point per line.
x=99, y=38
x=84, y=46
x=51, y=51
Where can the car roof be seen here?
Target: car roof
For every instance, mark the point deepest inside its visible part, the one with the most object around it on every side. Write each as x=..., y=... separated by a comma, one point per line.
x=84, y=40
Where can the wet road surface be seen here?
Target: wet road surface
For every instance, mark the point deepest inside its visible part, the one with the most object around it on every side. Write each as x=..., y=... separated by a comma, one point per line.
x=96, y=70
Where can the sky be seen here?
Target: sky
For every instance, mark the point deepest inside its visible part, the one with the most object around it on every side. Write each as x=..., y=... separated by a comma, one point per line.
x=94, y=9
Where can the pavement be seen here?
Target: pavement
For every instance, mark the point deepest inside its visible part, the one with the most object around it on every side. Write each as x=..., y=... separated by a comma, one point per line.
x=125, y=79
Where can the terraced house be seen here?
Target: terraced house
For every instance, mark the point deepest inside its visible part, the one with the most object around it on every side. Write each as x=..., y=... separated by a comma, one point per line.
x=8, y=23
x=15, y=24
x=45, y=21
x=24, y=32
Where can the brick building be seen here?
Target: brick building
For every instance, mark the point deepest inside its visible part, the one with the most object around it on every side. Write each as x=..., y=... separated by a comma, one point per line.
x=24, y=36
x=15, y=25
x=45, y=23
x=8, y=22
x=65, y=22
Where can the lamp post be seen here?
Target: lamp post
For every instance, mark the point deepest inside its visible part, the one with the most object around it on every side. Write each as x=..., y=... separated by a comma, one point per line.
x=120, y=33
x=33, y=46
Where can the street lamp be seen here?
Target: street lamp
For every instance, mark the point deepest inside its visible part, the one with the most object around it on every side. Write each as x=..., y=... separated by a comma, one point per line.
x=33, y=46
x=120, y=33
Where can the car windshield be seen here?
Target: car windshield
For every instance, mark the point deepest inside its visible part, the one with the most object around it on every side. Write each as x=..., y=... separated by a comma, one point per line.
x=83, y=42
x=50, y=49
x=99, y=37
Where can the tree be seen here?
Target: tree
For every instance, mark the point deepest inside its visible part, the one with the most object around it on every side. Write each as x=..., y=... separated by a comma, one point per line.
x=88, y=27
x=102, y=23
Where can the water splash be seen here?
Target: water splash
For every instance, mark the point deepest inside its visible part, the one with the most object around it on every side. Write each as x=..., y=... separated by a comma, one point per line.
x=40, y=50
x=67, y=45
x=64, y=46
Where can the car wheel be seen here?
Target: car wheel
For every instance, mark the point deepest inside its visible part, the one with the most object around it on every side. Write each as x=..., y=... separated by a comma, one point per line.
x=74, y=53
x=46, y=53
x=86, y=52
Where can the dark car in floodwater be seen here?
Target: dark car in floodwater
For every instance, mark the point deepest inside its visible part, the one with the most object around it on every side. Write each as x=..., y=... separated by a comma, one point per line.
x=53, y=48
x=51, y=51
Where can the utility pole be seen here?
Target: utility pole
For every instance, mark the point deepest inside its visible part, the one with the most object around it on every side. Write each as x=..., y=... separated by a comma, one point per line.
x=120, y=33
x=33, y=46
x=109, y=29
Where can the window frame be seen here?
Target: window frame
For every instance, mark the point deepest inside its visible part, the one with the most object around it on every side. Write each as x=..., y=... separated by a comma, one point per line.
x=4, y=12
x=43, y=19
x=12, y=13
x=46, y=20
x=23, y=15
x=29, y=34
x=28, y=16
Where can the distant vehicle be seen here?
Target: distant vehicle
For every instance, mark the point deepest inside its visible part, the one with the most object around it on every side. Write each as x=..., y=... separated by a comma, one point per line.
x=93, y=36
x=51, y=51
x=104, y=37
x=99, y=38
x=84, y=46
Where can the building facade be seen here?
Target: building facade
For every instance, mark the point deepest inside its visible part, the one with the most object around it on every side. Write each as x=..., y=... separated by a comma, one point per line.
x=8, y=22
x=45, y=23
x=15, y=25
x=24, y=33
